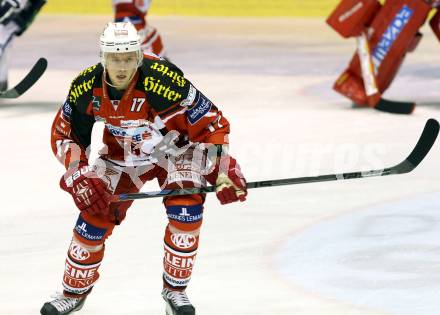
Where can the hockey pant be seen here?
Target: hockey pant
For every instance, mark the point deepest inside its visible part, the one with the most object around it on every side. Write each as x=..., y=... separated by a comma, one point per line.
x=135, y=11
x=185, y=214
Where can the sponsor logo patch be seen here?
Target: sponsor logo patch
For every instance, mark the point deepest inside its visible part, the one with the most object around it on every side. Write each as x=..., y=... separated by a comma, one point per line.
x=78, y=252
x=390, y=35
x=201, y=107
x=178, y=267
x=350, y=12
x=79, y=278
x=63, y=127
x=133, y=123
x=135, y=134
x=189, y=100
x=88, y=70
x=76, y=90
x=183, y=241
x=188, y=214
x=154, y=85
x=88, y=231
x=67, y=110
x=165, y=71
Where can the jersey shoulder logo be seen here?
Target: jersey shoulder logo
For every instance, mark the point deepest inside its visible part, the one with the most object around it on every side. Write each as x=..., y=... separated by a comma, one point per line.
x=84, y=83
x=163, y=83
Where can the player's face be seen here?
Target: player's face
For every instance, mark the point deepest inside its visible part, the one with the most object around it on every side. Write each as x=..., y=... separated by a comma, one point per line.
x=121, y=68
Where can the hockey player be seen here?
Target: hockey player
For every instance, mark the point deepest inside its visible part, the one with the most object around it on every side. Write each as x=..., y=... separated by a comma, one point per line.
x=15, y=18
x=385, y=33
x=157, y=126
x=135, y=12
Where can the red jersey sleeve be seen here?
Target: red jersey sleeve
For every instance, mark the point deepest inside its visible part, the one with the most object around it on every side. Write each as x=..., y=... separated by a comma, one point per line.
x=71, y=135
x=199, y=118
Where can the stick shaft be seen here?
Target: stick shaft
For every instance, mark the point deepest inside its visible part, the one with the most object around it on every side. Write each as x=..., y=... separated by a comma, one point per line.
x=421, y=149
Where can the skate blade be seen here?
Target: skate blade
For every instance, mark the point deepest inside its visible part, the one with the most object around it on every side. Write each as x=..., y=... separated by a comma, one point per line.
x=168, y=309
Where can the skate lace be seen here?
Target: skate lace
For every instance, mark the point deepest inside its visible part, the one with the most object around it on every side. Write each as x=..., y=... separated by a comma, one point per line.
x=178, y=298
x=63, y=303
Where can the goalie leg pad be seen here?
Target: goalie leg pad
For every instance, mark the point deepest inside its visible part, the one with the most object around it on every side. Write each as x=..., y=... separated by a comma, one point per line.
x=394, y=33
x=395, y=28
x=351, y=17
x=351, y=86
x=435, y=24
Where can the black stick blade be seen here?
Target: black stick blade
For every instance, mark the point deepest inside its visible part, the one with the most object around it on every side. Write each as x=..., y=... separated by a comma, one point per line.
x=28, y=81
x=422, y=148
x=395, y=107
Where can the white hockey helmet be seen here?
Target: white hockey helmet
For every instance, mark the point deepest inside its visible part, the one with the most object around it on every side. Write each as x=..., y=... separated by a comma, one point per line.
x=120, y=37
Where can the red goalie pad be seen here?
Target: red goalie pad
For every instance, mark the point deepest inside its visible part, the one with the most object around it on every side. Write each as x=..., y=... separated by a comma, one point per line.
x=351, y=16
x=435, y=24
x=393, y=33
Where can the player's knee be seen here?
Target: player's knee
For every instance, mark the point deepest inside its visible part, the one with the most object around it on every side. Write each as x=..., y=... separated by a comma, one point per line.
x=89, y=248
x=92, y=231
x=185, y=213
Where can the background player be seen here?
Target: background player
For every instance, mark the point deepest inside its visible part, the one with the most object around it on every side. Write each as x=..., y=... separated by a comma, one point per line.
x=386, y=33
x=157, y=126
x=135, y=12
x=15, y=18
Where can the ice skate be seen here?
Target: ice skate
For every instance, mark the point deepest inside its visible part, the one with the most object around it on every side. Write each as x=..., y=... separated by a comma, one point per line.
x=62, y=305
x=3, y=86
x=177, y=303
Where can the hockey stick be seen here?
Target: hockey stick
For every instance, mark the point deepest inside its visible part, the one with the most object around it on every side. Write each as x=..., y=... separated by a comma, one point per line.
x=424, y=144
x=395, y=107
x=28, y=81
x=370, y=82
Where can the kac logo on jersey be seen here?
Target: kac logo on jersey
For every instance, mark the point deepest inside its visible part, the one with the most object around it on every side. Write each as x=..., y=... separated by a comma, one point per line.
x=390, y=35
x=201, y=107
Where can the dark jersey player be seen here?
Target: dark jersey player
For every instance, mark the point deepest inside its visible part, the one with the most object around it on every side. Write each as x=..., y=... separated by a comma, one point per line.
x=157, y=126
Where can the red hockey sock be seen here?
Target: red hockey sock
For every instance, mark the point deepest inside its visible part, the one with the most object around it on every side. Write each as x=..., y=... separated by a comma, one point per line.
x=81, y=269
x=180, y=254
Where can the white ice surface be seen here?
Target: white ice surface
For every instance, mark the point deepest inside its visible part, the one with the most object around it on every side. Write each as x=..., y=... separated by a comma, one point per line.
x=272, y=78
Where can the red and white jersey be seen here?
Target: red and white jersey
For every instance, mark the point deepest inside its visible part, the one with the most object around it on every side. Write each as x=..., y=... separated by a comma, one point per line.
x=159, y=99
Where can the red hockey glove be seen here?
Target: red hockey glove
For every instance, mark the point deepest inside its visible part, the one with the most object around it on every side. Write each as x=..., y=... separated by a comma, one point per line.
x=230, y=183
x=88, y=191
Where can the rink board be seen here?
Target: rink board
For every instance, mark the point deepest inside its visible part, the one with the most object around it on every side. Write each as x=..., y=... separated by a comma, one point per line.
x=203, y=7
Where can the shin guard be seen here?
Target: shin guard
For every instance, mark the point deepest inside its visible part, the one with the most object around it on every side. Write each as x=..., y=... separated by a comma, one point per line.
x=185, y=215
x=85, y=254
x=81, y=269
x=180, y=254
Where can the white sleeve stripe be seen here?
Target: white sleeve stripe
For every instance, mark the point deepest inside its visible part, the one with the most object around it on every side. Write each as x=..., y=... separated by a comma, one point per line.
x=180, y=112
